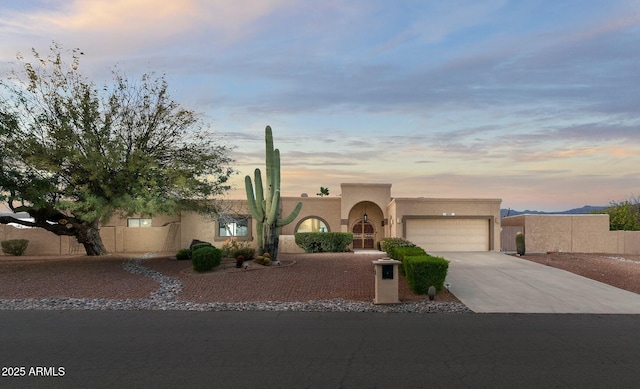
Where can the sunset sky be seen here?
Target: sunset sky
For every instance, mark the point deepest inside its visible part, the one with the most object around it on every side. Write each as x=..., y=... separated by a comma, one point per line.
x=534, y=102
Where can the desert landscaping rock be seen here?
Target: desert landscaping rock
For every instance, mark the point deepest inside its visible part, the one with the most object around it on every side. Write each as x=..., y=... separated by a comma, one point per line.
x=308, y=306
x=315, y=282
x=170, y=288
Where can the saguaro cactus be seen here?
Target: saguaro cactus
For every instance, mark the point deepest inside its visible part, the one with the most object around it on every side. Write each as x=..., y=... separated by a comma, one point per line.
x=266, y=209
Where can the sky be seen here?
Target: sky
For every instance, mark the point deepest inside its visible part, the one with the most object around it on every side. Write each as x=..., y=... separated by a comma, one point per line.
x=535, y=102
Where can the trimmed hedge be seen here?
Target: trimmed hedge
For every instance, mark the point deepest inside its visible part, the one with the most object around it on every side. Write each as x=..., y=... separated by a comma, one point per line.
x=399, y=253
x=15, y=247
x=319, y=242
x=206, y=258
x=425, y=270
x=388, y=244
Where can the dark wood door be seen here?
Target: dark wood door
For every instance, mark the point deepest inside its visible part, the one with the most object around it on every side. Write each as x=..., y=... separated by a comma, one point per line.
x=363, y=235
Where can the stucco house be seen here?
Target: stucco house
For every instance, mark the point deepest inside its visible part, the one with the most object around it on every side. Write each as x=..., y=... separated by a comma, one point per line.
x=371, y=214
x=368, y=210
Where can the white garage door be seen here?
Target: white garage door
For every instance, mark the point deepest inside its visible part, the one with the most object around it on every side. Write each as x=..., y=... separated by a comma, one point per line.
x=449, y=234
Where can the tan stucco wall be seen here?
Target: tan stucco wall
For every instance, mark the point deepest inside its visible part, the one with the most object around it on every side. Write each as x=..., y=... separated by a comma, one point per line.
x=41, y=242
x=370, y=198
x=326, y=208
x=339, y=213
x=574, y=233
x=628, y=241
x=513, y=221
x=195, y=226
x=156, y=220
x=437, y=207
x=288, y=245
x=352, y=194
x=149, y=239
x=590, y=234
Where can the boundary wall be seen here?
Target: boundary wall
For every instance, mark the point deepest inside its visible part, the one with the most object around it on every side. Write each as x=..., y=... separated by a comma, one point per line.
x=574, y=234
x=116, y=240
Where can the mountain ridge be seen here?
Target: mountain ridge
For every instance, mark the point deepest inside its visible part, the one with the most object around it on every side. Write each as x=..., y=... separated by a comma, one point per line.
x=587, y=209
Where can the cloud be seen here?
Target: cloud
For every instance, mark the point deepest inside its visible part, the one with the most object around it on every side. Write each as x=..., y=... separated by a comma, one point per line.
x=523, y=96
x=452, y=19
x=130, y=25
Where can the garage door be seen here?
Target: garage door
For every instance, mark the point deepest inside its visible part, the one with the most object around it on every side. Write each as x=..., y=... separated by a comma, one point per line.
x=449, y=234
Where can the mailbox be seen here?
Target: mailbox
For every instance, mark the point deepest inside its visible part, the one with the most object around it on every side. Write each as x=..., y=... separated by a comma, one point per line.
x=386, y=273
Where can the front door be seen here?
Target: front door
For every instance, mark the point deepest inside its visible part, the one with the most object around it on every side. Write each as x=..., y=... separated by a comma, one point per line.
x=363, y=235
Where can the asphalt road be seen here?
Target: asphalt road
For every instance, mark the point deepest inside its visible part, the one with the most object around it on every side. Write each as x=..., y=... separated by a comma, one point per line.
x=111, y=349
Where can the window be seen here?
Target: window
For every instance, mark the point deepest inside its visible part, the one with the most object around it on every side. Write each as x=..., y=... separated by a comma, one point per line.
x=238, y=227
x=312, y=224
x=138, y=222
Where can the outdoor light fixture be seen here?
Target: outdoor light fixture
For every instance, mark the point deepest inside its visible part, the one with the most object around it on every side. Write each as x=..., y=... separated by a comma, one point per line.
x=365, y=217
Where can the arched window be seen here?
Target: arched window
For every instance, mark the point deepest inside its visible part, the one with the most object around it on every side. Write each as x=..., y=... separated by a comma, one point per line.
x=312, y=224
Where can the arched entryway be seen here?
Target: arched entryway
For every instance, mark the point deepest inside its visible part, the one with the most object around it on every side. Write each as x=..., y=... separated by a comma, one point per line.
x=363, y=234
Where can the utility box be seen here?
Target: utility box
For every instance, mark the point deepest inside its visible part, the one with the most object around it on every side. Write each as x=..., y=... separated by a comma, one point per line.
x=386, y=271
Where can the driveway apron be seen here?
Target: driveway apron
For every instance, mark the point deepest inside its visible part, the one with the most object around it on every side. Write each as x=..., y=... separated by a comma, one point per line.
x=490, y=282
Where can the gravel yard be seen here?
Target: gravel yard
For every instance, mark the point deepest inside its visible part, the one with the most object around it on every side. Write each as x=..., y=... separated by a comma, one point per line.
x=619, y=270
x=327, y=281
x=305, y=282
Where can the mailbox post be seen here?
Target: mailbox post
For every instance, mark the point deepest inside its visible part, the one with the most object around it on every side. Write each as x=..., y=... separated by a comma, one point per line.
x=386, y=271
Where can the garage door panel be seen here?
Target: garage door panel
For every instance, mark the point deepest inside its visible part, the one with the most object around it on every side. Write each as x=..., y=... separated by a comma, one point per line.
x=449, y=234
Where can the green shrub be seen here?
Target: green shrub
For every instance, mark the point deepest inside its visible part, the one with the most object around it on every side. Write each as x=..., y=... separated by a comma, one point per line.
x=520, y=247
x=246, y=252
x=336, y=242
x=233, y=247
x=399, y=253
x=319, y=242
x=388, y=244
x=15, y=247
x=183, y=254
x=424, y=271
x=198, y=246
x=206, y=258
x=308, y=241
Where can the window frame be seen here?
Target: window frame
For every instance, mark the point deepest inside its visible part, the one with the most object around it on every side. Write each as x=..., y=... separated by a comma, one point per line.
x=247, y=237
x=313, y=217
x=139, y=220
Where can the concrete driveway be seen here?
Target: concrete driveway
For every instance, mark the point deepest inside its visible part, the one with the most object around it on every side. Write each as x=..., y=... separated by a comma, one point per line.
x=488, y=282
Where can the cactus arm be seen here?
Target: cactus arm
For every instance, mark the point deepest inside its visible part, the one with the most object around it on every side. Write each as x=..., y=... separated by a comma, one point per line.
x=255, y=210
x=272, y=217
x=257, y=175
x=291, y=216
x=269, y=154
x=276, y=170
x=265, y=201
